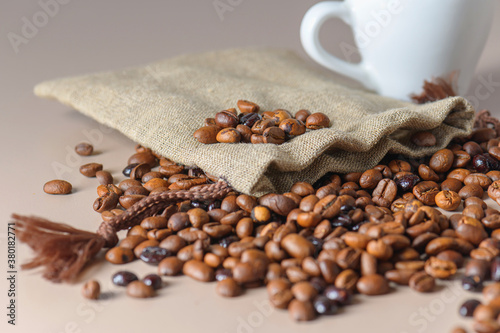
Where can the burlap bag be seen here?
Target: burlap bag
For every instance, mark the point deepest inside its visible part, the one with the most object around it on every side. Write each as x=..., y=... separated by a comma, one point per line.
x=160, y=106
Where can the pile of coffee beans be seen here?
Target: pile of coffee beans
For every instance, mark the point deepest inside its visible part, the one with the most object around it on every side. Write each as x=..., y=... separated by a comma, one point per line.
x=318, y=245
x=251, y=127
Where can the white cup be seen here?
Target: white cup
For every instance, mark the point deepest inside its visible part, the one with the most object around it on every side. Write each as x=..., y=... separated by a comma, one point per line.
x=404, y=42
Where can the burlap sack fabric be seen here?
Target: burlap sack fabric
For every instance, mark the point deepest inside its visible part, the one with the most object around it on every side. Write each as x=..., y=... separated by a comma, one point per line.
x=160, y=106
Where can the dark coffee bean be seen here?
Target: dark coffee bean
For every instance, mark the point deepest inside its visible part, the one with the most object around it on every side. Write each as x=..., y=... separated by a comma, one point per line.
x=339, y=295
x=467, y=308
x=154, y=254
x=495, y=269
x=318, y=283
x=222, y=274
x=128, y=169
x=57, y=186
x=153, y=281
x=407, y=182
x=249, y=118
x=472, y=283
x=84, y=149
x=226, y=118
x=123, y=278
x=324, y=306
x=91, y=290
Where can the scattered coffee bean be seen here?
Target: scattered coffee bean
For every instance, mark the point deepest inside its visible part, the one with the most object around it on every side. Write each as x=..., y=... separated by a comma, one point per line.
x=153, y=280
x=84, y=149
x=90, y=169
x=57, y=186
x=139, y=289
x=123, y=278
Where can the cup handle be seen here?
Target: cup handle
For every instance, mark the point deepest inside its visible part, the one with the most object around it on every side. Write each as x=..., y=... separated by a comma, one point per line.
x=309, y=35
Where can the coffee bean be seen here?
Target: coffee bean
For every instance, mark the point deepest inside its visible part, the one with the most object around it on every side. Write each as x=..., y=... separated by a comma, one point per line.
x=139, y=289
x=228, y=288
x=119, y=255
x=304, y=291
x=372, y=285
x=170, y=266
x=274, y=135
x=471, y=191
x=107, y=202
x=302, y=115
x=385, y=193
x=84, y=149
x=228, y=135
x=123, y=278
x=154, y=255
x=207, y=134
x=340, y=295
x=292, y=127
x=198, y=270
x=448, y=200
x=426, y=173
x=301, y=311
x=104, y=177
x=57, y=186
x=143, y=157
x=442, y=160
x=249, y=119
x=426, y=192
x=495, y=269
x=467, y=308
x=317, y=120
x=91, y=290
x=153, y=280
x=90, y=169
x=451, y=184
x=440, y=269
x=472, y=283
x=422, y=282
x=247, y=106
x=370, y=178
x=297, y=246
x=423, y=139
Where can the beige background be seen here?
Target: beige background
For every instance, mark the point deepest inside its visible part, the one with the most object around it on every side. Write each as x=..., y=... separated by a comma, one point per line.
x=38, y=136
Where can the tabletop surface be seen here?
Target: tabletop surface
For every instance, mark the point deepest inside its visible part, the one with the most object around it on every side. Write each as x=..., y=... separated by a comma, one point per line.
x=75, y=37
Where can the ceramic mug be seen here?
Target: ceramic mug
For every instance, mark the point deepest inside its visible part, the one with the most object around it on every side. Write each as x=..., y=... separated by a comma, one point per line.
x=404, y=42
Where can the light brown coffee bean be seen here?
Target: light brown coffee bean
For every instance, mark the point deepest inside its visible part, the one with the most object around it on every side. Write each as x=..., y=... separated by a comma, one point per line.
x=139, y=289
x=57, y=186
x=440, y=269
x=104, y=177
x=91, y=289
x=198, y=270
x=442, y=160
x=448, y=200
x=372, y=285
x=317, y=120
x=297, y=246
x=228, y=135
x=119, y=255
x=274, y=135
x=228, y=288
x=301, y=311
x=422, y=282
x=247, y=106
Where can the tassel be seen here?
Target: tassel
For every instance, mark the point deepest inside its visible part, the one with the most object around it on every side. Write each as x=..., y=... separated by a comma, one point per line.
x=64, y=251
x=436, y=90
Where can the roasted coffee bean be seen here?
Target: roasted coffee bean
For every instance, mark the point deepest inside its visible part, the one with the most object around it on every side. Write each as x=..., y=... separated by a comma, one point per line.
x=153, y=280
x=340, y=295
x=127, y=201
x=325, y=306
x=467, y=308
x=459, y=174
x=442, y=160
x=385, y=193
x=406, y=182
x=301, y=311
x=170, y=266
x=90, y=169
x=84, y=149
x=426, y=173
x=274, y=135
x=104, y=177
x=448, y=200
x=453, y=256
x=279, y=115
x=249, y=118
x=471, y=191
x=207, y=134
x=478, y=268
x=478, y=179
x=292, y=127
x=228, y=288
x=370, y=178
x=147, y=243
x=123, y=278
x=297, y=246
x=399, y=276
x=261, y=125
x=226, y=118
x=91, y=289
x=261, y=214
x=119, y=255
x=422, y=282
x=471, y=230
x=247, y=106
x=154, y=255
x=304, y=291
x=139, y=171
x=57, y=186
x=423, y=139
x=317, y=120
x=495, y=269
x=490, y=292
x=228, y=135
x=245, y=132
x=472, y=283
x=426, y=192
x=302, y=115
x=461, y=159
x=494, y=191
x=440, y=269
x=154, y=222
x=372, y=285
x=139, y=289
x=198, y=270
x=451, y=184
x=143, y=157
